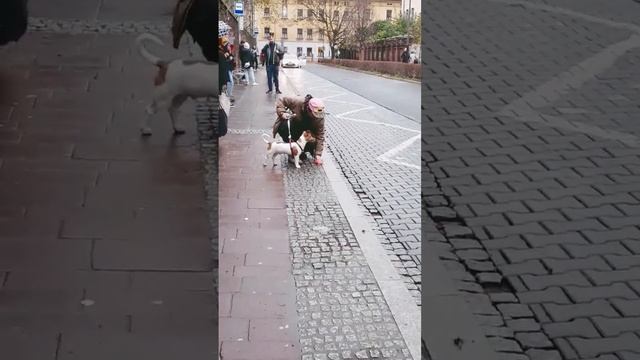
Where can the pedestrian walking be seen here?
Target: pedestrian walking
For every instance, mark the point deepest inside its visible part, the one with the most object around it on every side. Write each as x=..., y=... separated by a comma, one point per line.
x=404, y=57
x=308, y=114
x=272, y=54
x=246, y=59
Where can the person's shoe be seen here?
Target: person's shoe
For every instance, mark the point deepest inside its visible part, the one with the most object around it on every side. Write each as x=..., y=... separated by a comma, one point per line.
x=269, y=91
x=278, y=92
x=255, y=84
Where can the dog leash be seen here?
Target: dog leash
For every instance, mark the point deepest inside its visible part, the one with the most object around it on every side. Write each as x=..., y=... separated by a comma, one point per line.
x=289, y=129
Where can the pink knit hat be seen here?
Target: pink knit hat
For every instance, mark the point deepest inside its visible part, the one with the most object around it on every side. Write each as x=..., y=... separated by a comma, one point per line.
x=317, y=107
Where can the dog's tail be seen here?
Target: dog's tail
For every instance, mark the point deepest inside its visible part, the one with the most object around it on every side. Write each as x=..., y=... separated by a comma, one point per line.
x=268, y=139
x=143, y=50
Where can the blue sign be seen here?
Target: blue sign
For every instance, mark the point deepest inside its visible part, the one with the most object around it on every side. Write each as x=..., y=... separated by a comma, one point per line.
x=239, y=8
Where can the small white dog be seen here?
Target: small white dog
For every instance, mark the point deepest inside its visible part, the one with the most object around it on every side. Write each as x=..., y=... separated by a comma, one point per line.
x=176, y=81
x=277, y=148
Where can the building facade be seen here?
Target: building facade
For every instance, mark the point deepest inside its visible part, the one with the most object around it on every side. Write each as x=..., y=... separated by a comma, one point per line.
x=299, y=33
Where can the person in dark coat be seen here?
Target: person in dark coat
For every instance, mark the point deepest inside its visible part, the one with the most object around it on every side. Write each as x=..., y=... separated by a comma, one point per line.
x=405, y=56
x=271, y=55
x=13, y=20
x=200, y=19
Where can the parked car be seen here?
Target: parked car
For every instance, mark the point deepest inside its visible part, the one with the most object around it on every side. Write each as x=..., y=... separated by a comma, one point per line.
x=14, y=19
x=291, y=61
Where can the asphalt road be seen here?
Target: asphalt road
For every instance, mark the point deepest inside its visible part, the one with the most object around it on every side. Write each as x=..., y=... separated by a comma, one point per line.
x=402, y=97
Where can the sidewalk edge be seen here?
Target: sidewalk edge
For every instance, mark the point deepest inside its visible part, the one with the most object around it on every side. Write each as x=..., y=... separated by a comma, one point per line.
x=401, y=303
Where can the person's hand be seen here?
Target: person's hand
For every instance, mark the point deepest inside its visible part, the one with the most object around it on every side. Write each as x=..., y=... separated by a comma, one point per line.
x=318, y=160
x=286, y=116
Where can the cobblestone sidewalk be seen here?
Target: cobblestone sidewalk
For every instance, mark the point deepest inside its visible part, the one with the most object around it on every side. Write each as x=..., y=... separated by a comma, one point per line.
x=338, y=308
x=531, y=147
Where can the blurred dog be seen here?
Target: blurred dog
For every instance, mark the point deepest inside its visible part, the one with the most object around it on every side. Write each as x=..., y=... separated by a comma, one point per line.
x=274, y=148
x=175, y=82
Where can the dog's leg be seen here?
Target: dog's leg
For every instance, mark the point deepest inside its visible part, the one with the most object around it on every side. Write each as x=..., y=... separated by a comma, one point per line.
x=273, y=159
x=176, y=102
x=159, y=102
x=297, y=160
x=151, y=110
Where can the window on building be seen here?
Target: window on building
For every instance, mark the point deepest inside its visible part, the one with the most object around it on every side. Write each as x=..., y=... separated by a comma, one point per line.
x=320, y=34
x=389, y=14
x=367, y=14
x=285, y=34
x=267, y=12
x=285, y=9
x=309, y=52
x=300, y=13
x=299, y=52
x=300, y=2
x=299, y=37
x=267, y=31
x=321, y=13
x=309, y=34
x=336, y=14
x=309, y=13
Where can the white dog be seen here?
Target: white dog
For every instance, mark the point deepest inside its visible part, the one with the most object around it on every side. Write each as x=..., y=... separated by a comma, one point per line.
x=176, y=81
x=274, y=148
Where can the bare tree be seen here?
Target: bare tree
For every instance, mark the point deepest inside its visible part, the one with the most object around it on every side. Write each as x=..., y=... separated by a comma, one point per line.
x=360, y=24
x=334, y=17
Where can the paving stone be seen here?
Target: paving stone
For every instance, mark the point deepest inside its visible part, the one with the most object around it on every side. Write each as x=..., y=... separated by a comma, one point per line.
x=523, y=325
x=592, y=263
x=569, y=312
x=536, y=354
x=535, y=340
x=616, y=326
x=574, y=328
x=556, y=239
x=549, y=295
x=540, y=282
x=582, y=251
x=514, y=311
x=551, y=251
x=532, y=267
x=623, y=262
x=627, y=307
x=594, y=347
x=506, y=345
x=609, y=277
x=586, y=294
x=505, y=297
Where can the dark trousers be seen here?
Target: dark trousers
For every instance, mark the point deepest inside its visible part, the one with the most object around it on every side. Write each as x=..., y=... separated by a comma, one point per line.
x=272, y=75
x=283, y=131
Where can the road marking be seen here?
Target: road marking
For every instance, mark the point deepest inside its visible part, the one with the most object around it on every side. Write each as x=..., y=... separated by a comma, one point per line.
x=560, y=10
x=524, y=108
x=378, y=123
x=355, y=111
x=332, y=96
x=387, y=157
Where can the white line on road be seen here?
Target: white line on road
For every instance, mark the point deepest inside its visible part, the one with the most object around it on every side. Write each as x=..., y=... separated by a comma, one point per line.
x=387, y=157
x=355, y=111
x=583, y=16
x=378, y=123
x=524, y=108
x=332, y=96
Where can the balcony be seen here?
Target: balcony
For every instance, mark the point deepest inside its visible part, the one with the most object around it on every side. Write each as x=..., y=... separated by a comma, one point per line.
x=310, y=38
x=299, y=37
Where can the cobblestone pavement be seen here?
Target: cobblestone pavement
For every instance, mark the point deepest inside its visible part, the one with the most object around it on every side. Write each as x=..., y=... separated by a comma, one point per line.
x=339, y=308
x=531, y=166
x=103, y=236
x=342, y=312
x=382, y=167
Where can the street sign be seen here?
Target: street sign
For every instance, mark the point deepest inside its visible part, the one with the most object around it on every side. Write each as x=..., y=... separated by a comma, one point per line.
x=239, y=8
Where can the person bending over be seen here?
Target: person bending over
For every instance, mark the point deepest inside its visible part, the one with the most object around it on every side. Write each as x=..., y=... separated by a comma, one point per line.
x=308, y=114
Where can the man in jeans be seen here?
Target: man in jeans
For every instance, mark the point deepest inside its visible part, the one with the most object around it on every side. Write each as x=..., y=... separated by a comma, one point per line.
x=272, y=54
